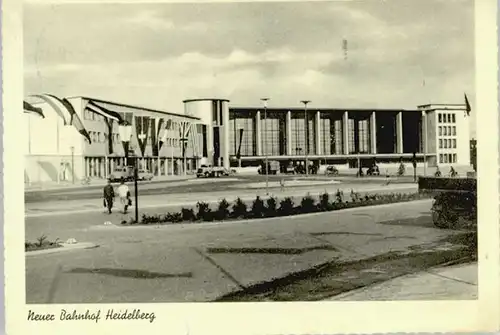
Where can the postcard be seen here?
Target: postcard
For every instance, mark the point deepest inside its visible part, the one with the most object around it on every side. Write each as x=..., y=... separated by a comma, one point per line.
x=251, y=167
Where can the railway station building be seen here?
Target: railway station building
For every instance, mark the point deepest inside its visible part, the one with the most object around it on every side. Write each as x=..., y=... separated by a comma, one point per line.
x=212, y=132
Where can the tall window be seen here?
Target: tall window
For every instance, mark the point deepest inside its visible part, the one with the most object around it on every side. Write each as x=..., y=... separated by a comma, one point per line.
x=298, y=136
x=440, y=116
x=247, y=139
x=453, y=120
x=364, y=138
x=326, y=137
x=270, y=136
x=440, y=144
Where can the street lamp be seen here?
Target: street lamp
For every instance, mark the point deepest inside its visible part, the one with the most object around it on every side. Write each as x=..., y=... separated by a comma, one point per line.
x=264, y=101
x=72, y=164
x=125, y=130
x=424, y=122
x=306, y=133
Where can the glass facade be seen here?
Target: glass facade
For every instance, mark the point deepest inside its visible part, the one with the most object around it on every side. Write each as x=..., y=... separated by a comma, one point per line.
x=273, y=134
x=331, y=133
x=247, y=124
x=298, y=136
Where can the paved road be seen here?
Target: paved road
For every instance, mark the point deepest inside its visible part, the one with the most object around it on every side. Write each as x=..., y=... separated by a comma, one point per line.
x=199, y=262
x=160, y=203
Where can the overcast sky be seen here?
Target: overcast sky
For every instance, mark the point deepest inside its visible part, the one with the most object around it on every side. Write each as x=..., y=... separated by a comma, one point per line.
x=400, y=53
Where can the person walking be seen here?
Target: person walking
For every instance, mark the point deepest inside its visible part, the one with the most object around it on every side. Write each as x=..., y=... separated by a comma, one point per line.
x=124, y=194
x=109, y=195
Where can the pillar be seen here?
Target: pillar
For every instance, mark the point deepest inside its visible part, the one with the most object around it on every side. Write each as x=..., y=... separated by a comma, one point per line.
x=258, y=137
x=399, y=133
x=289, y=133
x=317, y=133
x=345, y=132
x=225, y=135
x=373, y=132
x=423, y=138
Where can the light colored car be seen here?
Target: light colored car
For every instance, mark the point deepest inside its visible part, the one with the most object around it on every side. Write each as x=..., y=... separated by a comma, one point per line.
x=144, y=175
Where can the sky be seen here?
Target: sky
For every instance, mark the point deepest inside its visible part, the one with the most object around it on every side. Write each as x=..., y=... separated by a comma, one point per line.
x=397, y=54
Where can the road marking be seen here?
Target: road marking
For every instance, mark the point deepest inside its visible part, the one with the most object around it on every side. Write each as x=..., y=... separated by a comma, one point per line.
x=221, y=269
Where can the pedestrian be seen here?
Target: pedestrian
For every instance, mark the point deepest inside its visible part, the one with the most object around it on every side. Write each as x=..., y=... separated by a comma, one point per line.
x=124, y=194
x=282, y=184
x=109, y=195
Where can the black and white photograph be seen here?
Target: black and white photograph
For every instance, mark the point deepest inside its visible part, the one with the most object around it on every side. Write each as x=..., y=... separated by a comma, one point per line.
x=249, y=152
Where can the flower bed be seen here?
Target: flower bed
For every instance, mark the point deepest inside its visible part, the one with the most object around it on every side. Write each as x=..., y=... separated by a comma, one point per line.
x=273, y=207
x=41, y=244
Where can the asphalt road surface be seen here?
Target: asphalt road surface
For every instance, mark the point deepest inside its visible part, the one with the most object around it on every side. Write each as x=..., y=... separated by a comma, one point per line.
x=200, y=262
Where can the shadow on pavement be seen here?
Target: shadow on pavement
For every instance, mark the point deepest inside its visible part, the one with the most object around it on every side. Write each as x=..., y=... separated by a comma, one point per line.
x=321, y=233
x=130, y=273
x=282, y=251
x=420, y=221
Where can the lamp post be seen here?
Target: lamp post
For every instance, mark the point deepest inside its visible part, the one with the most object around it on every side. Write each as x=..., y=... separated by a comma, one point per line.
x=264, y=101
x=72, y=164
x=125, y=130
x=424, y=119
x=306, y=134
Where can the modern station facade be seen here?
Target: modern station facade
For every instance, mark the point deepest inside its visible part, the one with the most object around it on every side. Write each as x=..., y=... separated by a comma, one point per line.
x=233, y=137
x=438, y=134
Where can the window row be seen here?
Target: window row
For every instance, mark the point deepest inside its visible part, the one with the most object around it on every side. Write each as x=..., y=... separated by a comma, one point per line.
x=446, y=118
x=447, y=131
x=447, y=143
x=171, y=124
x=447, y=158
x=99, y=137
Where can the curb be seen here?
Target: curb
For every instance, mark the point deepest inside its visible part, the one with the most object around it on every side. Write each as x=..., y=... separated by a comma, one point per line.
x=250, y=221
x=63, y=248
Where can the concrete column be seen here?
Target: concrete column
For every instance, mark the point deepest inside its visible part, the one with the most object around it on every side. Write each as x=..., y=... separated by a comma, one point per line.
x=288, y=133
x=258, y=135
x=345, y=132
x=225, y=135
x=373, y=132
x=317, y=133
x=399, y=133
x=424, y=132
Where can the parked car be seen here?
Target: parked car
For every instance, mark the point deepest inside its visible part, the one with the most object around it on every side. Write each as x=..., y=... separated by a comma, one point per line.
x=331, y=171
x=122, y=173
x=144, y=175
x=127, y=174
x=373, y=171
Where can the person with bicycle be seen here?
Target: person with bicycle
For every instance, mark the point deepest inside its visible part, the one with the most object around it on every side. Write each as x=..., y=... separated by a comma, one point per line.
x=109, y=196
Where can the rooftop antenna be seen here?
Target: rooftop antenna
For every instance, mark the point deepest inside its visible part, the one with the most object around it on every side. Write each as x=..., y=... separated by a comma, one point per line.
x=344, y=48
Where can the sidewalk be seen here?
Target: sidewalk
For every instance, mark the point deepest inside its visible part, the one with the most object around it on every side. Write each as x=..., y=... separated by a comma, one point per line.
x=68, y=185
x=452, y=282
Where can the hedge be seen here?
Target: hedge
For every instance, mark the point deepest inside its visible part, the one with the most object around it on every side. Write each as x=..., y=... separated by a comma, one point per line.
x=272, y=207
x=449, y=184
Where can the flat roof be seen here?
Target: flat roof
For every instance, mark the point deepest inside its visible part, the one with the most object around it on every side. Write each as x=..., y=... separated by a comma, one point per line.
x=204, y=99
x=133, y=107
x=322, y=109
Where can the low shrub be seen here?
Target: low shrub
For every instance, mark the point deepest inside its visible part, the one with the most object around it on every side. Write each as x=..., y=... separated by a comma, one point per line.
x=223, y=210
x=271, y=206
x=204, y=212
x=258, y=209
x=147, y=219
x=339, y=197
x=308, y=204
x=41, y=243
x=174, y=217
x=239, y=209
x=286, y=207
x=188, y=214
x=324, y=202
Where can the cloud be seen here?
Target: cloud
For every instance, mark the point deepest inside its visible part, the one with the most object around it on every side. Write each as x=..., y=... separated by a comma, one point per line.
x=156, y=55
